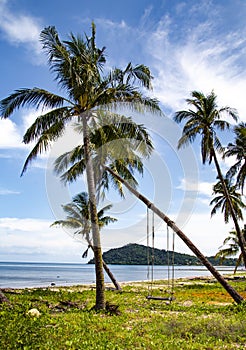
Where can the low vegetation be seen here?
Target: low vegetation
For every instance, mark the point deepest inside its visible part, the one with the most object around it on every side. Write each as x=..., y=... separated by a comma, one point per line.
x=202, y=316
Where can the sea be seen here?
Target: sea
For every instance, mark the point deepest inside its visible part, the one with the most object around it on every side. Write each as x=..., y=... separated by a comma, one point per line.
x=36, y=274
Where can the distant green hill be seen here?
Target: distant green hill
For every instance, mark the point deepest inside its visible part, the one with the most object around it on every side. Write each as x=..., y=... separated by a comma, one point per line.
x=136, y=254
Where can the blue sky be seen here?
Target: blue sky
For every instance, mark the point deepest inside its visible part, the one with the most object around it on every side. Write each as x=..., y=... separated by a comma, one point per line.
x=188, y=45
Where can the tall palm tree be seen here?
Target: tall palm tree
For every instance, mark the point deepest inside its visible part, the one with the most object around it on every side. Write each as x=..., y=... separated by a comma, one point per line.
x=78, y=67
x=205, y=119
x=78, y=220
x=231, y=248
x=221, y=201
x=238, y=150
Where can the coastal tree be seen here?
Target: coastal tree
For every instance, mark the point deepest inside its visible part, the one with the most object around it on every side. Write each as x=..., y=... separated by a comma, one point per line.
x=78, y=66
x=233, y=293
x=118, y=142
x=220, y=201
x=78, y=220
x=69, y=166
x=238, y=150
x=230, y=248
x=205, y=119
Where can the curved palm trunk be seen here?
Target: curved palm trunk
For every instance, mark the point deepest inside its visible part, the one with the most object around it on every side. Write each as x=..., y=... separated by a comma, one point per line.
x=241, y=240
x=100, y=292
x=236, y=297
x=111, y=276
x=107, y=270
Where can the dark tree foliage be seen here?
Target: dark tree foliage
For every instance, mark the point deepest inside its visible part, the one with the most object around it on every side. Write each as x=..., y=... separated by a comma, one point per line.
x=136, y=254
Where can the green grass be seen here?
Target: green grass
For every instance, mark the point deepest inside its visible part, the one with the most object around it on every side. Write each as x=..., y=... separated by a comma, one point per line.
x=202, y=316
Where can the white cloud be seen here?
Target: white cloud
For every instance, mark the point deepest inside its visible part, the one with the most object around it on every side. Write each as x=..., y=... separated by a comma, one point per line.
x=21, y=29
x=10, y=136
x=26, y=225
x=202, y=188
x=112, y=24
x=200, y=59
x=28, y=236
x=206, y=233
x=4, y=192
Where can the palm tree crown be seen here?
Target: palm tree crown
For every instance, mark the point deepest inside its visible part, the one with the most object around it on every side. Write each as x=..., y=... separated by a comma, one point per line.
x=78, y=217
x=204, y=119
x=231, y=248
x=221, y=201
x=78, y=221
x=119, y=143
x=78, y=67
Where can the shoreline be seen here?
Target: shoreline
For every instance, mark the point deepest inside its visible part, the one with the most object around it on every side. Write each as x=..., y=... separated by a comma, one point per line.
x=144, y=283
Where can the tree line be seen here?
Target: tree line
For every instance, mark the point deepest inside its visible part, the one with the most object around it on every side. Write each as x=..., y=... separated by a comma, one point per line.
x=137, y=254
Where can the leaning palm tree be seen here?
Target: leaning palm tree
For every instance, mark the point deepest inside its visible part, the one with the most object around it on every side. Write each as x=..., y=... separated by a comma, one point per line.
x=78, y=220
x=78, y=67
x=233, y=293
x=221, y=201
x=230, y=248
x=238, y=150
x=205, y=119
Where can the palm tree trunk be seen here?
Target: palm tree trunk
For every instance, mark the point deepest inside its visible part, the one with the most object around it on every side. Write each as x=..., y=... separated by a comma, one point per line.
x=236, y=297
x=107, y=269
x=3, y=298
x=111, y=276
x=100, y=290
x=241, y=240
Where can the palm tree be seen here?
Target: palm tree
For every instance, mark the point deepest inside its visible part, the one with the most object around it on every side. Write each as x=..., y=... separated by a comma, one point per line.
x=232, y=250
x=205, y=120
x=233, y=293
x=238, y=150
x=78, y=67
x=221, y=201
x=78, y=220
x=121, y=144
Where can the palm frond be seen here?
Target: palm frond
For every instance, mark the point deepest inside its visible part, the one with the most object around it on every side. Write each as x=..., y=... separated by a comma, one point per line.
x=73, y=172
x=39, y=98
x=69, y=158
x=203, y=119
x=47, y=121
x=44, y=143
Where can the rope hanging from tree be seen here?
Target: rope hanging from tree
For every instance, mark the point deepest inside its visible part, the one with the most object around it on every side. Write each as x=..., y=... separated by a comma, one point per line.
x=151, y=261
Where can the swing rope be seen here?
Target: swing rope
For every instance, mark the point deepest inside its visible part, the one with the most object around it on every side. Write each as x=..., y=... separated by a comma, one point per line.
x=151, y=260
x=148, y=252
x=153, y=248
x=170, y=262
x=173, y=258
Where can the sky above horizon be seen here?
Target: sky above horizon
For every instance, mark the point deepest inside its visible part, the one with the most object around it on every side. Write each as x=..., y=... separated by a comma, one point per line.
x=188, y=45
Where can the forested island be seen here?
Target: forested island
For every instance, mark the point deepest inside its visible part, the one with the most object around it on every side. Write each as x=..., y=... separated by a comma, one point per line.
x=137, y=254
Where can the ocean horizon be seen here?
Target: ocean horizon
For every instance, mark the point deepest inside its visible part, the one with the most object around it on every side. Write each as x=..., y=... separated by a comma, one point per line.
x=43, y=274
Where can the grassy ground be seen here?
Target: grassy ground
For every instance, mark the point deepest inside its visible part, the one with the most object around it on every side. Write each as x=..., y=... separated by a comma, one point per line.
x=202, y=316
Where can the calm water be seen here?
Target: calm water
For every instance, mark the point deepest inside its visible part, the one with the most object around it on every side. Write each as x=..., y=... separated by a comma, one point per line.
x=22, y=275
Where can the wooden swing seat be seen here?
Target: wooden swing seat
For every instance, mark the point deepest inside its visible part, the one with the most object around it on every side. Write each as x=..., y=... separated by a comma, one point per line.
x=150, y=297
